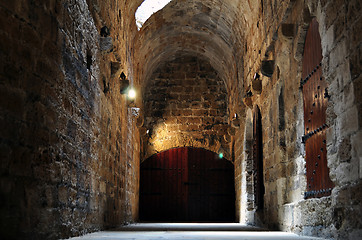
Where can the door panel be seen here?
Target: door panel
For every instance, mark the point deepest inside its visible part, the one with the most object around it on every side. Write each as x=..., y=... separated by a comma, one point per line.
x=187, y=184
x=315, y=101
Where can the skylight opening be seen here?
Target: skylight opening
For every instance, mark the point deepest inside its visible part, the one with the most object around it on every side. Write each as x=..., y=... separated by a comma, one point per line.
x=147, y=8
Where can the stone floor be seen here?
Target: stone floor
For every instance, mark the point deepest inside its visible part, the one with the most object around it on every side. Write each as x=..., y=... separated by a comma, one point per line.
x=197, y=231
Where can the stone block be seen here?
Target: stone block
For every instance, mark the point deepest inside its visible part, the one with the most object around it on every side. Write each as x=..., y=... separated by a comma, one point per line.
x=344, y=150
x=353, y=11
x=343, y=76
x=355, y=234
x=345, y=100
x=13, y=101
x=281, y=191
x=355, y=36
x=338, y=54
x=340, y=26
x=347, y=122
x=63, y=195
x=287, y=214
x=355, y=64
x=332, y=163
x=357, y=87
x=356, y=142
x=346, y=173
x=331, y=13
x=360, y=167
x=12, y=131
x=315, y=212
x=21, y=162
x=30, y=37
x=72, y=197
x=194, y=120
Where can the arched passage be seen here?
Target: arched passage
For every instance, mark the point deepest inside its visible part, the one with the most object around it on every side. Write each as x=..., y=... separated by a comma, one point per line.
x=187, y=184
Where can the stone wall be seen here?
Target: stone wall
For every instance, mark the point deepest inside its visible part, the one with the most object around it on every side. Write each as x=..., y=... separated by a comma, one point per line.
x=281, y=104
x=65, y=124
x=185, y=104
x=70, y=140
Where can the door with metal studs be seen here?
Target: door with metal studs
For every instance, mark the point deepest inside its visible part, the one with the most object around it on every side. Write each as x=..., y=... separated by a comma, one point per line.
x=315, y=100
x=187, y=185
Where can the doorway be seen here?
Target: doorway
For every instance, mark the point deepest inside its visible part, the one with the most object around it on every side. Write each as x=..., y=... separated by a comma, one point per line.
x=187, y=185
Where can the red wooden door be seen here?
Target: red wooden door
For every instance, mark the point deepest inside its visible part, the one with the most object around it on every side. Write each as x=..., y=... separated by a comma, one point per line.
x=315, y=100
x=187, y=184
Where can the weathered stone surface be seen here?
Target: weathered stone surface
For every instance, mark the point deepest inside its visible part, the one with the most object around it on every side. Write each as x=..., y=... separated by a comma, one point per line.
x=70, y=146
x=56, y=125
x=185, y=110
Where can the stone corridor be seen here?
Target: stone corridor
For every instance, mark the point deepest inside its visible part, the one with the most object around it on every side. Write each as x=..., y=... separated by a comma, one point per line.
x=116, y=112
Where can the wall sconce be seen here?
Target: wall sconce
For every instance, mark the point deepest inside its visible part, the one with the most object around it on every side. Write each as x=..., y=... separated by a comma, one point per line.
x=235, y=122
x=267, y=68
x=247, y=98
x=288, y=30
x=105, y=41
x=131, y=94
x=115, y=68
x=105, y=31
x=256, y=84
x=124, y=83
x=127, y=89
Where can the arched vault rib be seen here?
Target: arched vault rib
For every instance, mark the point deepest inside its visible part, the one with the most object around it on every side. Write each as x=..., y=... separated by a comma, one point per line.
x=209, y=29
x=192, y=44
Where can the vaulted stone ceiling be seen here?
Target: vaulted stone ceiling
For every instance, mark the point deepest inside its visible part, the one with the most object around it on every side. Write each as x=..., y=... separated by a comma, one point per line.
x=209, y=29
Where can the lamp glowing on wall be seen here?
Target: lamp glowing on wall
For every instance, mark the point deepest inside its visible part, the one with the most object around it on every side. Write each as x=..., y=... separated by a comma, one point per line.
x=221, y=155
x=131, y=94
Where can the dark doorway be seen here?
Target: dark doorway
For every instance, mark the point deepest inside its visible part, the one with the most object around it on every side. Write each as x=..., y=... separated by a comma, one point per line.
x=187, y=185
x=258, y=179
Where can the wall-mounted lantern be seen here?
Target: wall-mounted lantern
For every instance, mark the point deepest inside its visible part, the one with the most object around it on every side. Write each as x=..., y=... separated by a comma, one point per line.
x=131, y=93
x=248, y=98
x=105, y=41
x=267, y=68
x=256, y=84
x=131, y=96
x=124, y=82
x=235, y=122
x=115, y=69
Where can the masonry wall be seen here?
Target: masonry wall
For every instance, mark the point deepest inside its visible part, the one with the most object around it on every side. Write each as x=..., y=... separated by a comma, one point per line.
x=281, y=104
x=185, y=104
x=65, y=127
x=70, y=141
